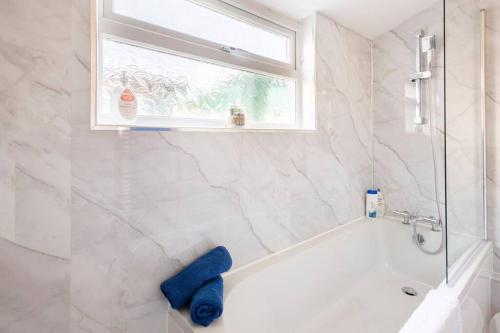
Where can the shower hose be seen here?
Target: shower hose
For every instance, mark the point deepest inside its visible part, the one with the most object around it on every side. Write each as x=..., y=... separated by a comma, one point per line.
x=436, y=182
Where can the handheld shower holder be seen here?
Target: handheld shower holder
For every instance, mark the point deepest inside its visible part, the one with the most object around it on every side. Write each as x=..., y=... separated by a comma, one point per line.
x=424, y=46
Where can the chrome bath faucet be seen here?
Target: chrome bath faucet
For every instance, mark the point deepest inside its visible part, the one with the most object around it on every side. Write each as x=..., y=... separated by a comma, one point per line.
x=409, y=218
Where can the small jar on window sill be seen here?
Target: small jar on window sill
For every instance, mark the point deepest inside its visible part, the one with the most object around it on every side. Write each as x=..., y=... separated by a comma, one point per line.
x=236, y=117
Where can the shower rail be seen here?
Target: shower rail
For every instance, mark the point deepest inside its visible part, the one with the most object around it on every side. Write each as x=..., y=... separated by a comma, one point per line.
x=483, y=120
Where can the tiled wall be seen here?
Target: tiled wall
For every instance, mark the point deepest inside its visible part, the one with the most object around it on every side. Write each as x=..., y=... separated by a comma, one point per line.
x=493, y=147
x=493, y=109
x=463, y=15
x=463, y=113
x=35, y=166
x=403, y=159
x=403, y=154
x=100, y=218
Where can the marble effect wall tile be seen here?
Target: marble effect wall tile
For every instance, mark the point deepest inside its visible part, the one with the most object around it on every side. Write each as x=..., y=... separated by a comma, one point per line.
x=465, y=15
x=34, y=166
x=464, y=136
x=403, y=155
x=403, y=152
x=146, y=203
x=495, y=293
x=493, y=120
x=34, y=291
x=493, y=139
x=142, y=205
x=35, y=139
x=167, y=197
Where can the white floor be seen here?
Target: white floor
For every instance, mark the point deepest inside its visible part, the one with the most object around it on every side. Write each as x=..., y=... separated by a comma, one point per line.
x=375, y=305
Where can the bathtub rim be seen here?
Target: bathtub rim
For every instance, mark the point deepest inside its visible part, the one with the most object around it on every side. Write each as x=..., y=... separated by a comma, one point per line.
x=464, y=271
x=182, y=318
x=472, y=265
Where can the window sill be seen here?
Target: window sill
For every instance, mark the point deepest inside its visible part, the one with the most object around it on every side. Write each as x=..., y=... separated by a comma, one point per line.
x=243, y=129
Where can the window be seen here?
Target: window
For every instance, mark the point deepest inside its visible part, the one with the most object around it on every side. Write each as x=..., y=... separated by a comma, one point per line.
x=198, y=21
x=186, y=64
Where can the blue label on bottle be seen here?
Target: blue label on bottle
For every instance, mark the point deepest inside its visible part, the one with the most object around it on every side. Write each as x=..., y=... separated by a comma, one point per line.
x=372, y=215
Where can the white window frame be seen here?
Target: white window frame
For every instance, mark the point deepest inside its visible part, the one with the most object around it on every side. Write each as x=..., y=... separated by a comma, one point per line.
x=105, y=23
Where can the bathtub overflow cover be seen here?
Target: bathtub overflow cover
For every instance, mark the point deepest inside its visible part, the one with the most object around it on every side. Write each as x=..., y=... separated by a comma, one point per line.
x=409, y=291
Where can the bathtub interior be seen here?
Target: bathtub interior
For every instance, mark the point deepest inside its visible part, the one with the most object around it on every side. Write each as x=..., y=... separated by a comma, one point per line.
x=316, y=286
x=403, y=256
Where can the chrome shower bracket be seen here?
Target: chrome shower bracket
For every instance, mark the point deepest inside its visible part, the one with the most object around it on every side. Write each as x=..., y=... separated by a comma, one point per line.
x=424, y=46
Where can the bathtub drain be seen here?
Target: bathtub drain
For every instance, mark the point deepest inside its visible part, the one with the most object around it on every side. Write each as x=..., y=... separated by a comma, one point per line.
x=409, y=291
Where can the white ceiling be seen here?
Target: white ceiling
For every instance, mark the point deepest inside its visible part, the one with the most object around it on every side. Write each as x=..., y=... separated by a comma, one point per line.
x=370, y=18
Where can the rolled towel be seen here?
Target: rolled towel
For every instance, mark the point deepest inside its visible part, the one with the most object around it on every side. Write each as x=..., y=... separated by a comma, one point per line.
x=179, y=288
x=207, y=302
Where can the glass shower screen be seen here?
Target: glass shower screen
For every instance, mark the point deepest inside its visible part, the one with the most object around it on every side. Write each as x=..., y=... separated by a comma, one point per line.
x=465, y=134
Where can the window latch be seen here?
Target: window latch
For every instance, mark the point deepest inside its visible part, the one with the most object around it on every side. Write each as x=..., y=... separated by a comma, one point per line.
x=228, y=49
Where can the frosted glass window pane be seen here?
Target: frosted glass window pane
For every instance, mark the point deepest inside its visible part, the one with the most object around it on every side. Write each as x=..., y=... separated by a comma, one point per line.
x=198, y=21
x=167, y=85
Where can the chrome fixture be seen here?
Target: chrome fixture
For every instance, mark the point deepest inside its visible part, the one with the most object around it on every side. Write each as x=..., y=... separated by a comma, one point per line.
x=414, y=220
x=419, y=239
x=409, y=218
x=424, y=52
x=424, y=47
x=431, y=220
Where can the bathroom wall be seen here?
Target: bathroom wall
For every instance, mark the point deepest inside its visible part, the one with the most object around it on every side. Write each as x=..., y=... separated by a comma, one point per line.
x=403, y=160
x=493, y=143
x=35, y=165
x=145, y=204
x=464, y=134
x=493, y=120
x=403, y=155
x=101, y=217
x=93, y=221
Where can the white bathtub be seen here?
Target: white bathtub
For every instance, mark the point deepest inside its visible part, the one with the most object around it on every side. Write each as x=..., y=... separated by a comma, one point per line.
x=346, y=280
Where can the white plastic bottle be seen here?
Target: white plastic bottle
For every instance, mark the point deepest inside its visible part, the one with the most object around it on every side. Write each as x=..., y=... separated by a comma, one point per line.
x=371, y=204
x=380, y=204
x=126, y=101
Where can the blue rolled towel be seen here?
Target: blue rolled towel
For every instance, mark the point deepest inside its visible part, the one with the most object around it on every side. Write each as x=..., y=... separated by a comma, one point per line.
x=206, y=304
x=179, y=288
